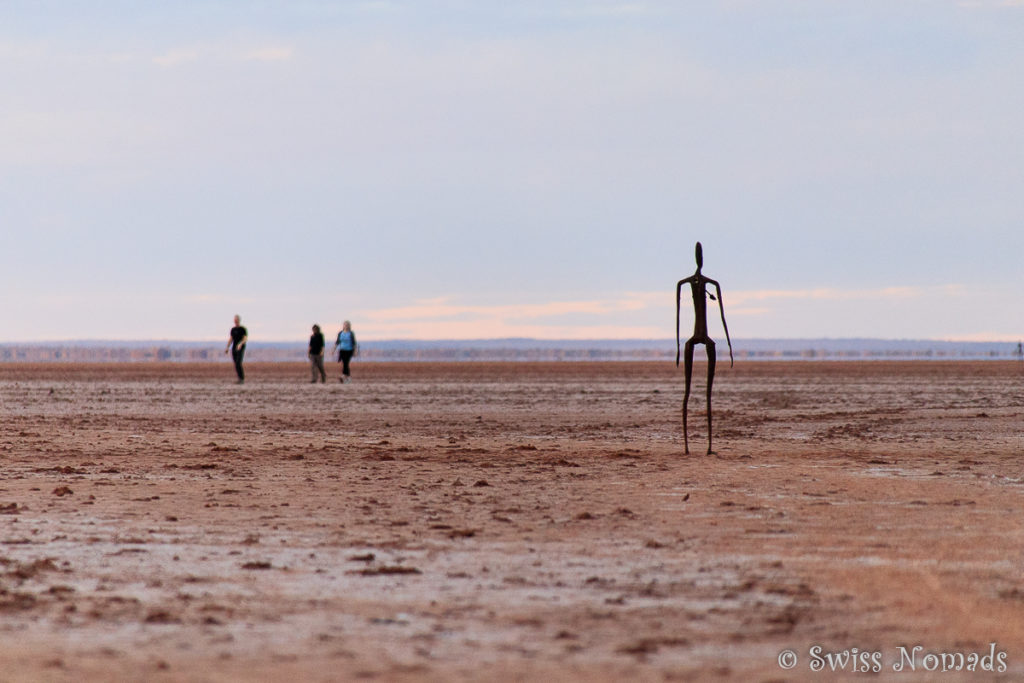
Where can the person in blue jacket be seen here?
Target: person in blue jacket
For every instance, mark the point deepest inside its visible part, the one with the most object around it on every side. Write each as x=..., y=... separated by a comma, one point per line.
x=346, y=347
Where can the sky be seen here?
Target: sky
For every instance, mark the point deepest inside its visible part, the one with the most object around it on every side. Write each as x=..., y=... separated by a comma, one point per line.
x=480, y=169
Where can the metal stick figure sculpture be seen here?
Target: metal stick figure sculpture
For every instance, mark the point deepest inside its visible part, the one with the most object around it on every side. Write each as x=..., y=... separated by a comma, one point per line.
x=698, y=283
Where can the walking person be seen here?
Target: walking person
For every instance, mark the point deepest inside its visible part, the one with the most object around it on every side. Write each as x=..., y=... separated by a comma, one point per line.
x=316, y=355
x=236, y=345
x=346, y=347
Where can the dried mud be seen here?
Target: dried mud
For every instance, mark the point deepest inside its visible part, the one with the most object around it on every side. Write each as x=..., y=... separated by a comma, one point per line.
x=518, y=521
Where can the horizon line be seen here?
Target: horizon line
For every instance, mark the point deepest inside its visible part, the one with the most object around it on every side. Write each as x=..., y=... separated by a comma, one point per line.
x=546, y=340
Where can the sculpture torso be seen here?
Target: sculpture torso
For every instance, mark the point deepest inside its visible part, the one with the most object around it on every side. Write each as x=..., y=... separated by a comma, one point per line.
x=698, y=288
x=700, y=305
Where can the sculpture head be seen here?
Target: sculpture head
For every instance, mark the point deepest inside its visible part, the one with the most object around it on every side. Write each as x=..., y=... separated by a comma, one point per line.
x=699, y=253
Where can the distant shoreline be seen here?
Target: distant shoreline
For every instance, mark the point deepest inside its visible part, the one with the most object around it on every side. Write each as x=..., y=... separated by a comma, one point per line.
x=114, y=351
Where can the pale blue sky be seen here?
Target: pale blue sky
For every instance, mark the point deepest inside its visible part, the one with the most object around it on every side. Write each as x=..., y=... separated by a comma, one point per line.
x=487, y=169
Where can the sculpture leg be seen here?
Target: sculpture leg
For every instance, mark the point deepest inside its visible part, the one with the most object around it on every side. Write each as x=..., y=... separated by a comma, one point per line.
x=688, y=369
x=712, y=358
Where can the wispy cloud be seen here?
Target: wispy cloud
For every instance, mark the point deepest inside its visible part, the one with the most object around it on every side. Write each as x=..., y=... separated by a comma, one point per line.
x=224, y=53
x=268, y=54
x=444, y=308
x=612, y=9
x=765, y=303
x=650, y=315
x=376, y=6
x=953, y=311
x=744, y=297
x=581, y=319
x=982, y=4
x=177, y=57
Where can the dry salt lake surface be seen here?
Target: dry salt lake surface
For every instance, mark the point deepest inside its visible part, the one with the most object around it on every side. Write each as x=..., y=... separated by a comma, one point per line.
x=509, y=521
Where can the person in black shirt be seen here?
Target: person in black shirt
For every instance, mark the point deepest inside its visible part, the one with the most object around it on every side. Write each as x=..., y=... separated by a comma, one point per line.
x=316, y=354
x=236, y=345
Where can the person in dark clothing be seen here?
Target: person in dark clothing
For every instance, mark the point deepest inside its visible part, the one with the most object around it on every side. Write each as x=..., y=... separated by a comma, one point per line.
x=236, y=345
x=316, y=354
x=346, y=347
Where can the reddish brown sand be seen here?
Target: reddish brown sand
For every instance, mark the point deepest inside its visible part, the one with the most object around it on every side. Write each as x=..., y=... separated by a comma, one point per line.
x=505, y=521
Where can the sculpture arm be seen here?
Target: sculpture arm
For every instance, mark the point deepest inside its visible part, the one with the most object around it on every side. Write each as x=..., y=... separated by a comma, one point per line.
x=679, y=291
x=721, y=308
